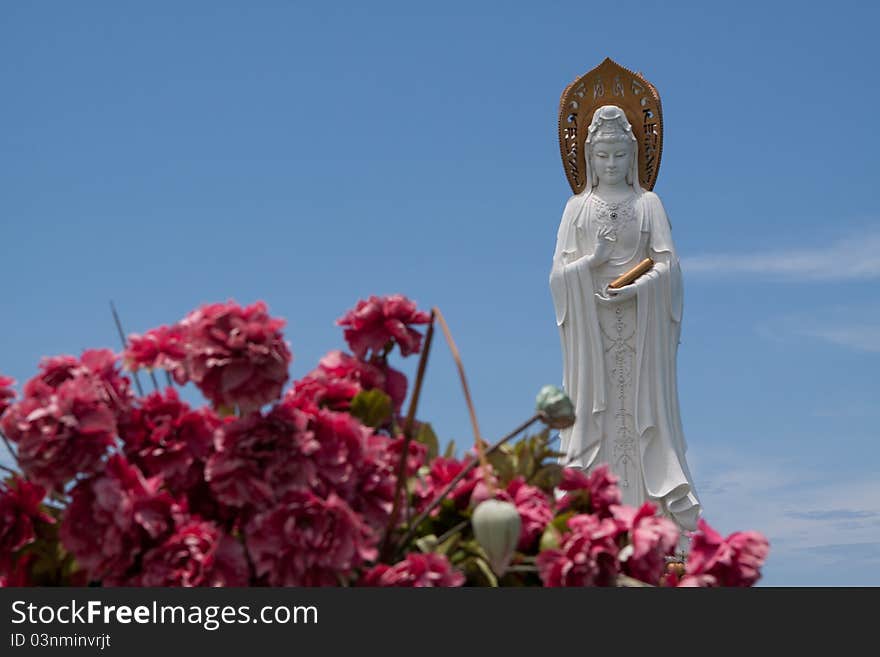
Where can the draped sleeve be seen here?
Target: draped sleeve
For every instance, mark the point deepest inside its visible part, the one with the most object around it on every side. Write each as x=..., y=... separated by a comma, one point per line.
x=658, y=420
x=583, y=372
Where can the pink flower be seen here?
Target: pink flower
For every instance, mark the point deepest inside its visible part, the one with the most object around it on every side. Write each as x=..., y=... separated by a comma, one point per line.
x=376, y=479
x=163, y=436
x=652, y=538
x=6, y=393
x=534, y=510
x=587, y=556
x=416, y=570
x=20, y=510
x=442, y=472
x=716, y=561
x=374, y=323
x=601, y=485
x=309, y=541
x=99, y=365
x=163, y=347
x=103, y=364
x=260, y=457
x=336, y=380
x=316, y=391
x=395, y=386
x=236, y=356
x=417, y=453
x=339, y=377
x=342, y=444
x=196, y=554
x=113, y=518
x=68, y=417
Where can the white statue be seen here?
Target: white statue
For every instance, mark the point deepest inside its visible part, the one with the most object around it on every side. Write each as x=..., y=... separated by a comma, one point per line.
x=619, y=345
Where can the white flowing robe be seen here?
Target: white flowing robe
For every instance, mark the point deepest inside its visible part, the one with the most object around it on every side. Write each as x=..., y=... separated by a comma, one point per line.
x=657, y=421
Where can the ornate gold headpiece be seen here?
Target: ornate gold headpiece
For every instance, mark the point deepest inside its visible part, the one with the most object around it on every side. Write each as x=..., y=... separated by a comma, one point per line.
x=610, y=84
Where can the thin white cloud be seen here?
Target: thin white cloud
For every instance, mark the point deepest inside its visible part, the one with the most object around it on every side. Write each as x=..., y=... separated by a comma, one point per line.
x=852, y=326
x=861, y=337
x=856, y=257
x=820, y=524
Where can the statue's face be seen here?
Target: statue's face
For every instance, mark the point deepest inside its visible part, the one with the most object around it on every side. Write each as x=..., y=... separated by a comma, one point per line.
x=611, y=161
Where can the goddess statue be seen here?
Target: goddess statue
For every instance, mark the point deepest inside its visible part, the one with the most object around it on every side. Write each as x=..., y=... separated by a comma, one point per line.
x=619, y=345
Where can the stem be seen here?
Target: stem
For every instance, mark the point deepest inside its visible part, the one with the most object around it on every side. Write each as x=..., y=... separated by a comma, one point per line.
x=522, y=569
x=478, y=441
x=137, y=381
x=445, y=535
x=9, y=470
x=420, y=375
x=153, y=379
x=407, y=437
x=461, y=475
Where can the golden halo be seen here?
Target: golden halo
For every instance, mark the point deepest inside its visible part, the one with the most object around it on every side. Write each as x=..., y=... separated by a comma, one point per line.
x=610, y=84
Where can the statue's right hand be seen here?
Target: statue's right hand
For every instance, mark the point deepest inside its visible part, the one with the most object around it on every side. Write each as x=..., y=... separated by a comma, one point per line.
x=605, y=239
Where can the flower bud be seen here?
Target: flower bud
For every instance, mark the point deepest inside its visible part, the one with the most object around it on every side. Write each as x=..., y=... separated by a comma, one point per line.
x=556, y=406
x=496, y=527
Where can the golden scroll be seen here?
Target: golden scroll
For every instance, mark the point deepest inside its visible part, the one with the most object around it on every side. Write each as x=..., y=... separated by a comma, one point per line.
x=630, y=277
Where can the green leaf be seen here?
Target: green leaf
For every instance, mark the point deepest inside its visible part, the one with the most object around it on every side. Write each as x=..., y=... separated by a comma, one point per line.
x=560, y=522
x=224, y=410
x=426, y=436
x=525, y=460
x=427, y=543
x=550, y=539
x=547, y=477
x=448, y=546
x=503, y=464
x=486, y=571
x=372, y=407
x=450, y=450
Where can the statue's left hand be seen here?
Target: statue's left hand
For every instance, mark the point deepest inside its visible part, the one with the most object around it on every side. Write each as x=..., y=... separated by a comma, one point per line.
x=616, y=295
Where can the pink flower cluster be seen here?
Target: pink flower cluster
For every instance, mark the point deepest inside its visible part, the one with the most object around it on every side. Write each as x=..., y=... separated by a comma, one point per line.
x=416, y=570
x=236, y=355
x=610, y=539
x=377, y=323
x=290, y=490
x=588, y=555
x=732, y=561
x=597, y=491
x=7, y=394
x=164, y=436
x=126, y=530
x=306, y=540
x=441, y=472
x=68, y=417
x=339, y=377
x=20, y=511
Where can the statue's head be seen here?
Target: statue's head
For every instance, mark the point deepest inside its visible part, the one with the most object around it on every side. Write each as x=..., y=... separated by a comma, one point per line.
x=611, y=147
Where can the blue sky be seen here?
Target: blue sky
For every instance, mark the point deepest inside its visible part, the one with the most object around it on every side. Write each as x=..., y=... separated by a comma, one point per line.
x=168, y=154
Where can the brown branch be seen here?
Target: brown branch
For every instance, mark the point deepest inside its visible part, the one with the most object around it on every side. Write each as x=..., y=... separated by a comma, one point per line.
x=420, y=375
x=134, y=374
x=407, y=437
x=478, y=440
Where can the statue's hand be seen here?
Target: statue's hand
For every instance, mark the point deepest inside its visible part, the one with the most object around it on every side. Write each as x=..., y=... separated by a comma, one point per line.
x=617, y=295
x=604, y=245
x=622, y=293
